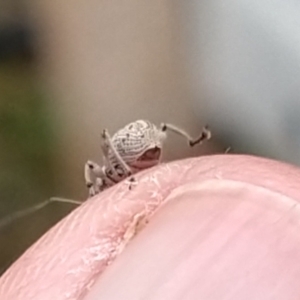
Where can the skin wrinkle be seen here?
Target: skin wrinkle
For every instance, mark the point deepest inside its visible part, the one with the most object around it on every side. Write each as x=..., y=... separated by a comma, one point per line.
x=146, y=210
x=102, y=242
x=155, y=185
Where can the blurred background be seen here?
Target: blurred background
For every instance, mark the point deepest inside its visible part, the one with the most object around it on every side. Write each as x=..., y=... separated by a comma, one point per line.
x=68, y=71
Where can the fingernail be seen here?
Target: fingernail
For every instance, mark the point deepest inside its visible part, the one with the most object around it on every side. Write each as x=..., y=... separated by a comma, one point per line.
x=216, y=240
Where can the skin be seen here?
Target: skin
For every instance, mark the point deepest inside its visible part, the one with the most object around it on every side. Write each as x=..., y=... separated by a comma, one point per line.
x=215, y=227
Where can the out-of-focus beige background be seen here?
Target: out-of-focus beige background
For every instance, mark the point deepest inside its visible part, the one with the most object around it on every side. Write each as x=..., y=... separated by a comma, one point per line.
x=108, y=64
x=70, y=69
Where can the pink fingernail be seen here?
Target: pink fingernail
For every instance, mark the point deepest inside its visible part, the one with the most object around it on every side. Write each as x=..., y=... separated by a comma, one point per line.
x=215, y=240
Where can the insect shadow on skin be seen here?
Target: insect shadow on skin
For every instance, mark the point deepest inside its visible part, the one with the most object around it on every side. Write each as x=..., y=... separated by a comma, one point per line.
x=136, y=147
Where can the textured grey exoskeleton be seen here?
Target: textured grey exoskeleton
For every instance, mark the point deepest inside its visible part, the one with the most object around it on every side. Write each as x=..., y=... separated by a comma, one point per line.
x=135, y=147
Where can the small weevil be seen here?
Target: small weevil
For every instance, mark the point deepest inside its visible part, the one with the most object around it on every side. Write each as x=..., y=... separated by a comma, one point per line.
x=135, y=147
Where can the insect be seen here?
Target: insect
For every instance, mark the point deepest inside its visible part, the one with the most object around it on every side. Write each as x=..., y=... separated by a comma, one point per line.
x=135, y=147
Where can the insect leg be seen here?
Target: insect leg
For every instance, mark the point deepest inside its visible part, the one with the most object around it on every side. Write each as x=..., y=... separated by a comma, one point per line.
x=205, y=134
x=109, y=144
x=91, y=171
x=228, y=150
x=114, y=174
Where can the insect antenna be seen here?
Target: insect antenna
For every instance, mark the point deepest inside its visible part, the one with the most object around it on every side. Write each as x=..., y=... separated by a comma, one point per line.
x=205, y=133
x=27, y=211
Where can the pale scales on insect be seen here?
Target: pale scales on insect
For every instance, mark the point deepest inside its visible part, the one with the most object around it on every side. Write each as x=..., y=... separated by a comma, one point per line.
x=134, y=140
x=135, y=147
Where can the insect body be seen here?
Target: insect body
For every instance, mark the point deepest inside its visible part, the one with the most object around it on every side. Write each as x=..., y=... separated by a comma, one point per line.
x=135, y=147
